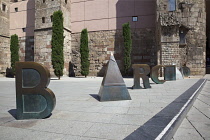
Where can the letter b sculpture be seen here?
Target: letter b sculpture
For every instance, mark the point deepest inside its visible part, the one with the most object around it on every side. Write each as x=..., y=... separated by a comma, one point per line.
x=34, y=100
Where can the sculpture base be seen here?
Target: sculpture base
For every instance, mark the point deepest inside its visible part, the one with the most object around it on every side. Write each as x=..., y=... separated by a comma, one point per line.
x=114, y=93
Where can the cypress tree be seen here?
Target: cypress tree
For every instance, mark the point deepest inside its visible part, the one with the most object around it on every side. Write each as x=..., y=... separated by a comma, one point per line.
x=84, y=51
x=127, y=47
x=14, y=49
x=57, y=43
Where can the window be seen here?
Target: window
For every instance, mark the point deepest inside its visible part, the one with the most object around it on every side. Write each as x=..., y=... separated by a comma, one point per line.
x=16, y=9
x=66, y=1
x=43, y=19
x=24, y=29
x=182, y=35
x=171, y=5
x=3, y=7
x=51, y=18
x=15, y=0
x=43, y=1
x=134, y=18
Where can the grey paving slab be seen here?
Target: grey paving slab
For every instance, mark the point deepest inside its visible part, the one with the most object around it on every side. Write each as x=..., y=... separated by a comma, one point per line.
x=196, y=125
x=187, y=134
x=70, y=137
x=163, y=125
x=11, y=133
x=79, y=115
x=110, y=131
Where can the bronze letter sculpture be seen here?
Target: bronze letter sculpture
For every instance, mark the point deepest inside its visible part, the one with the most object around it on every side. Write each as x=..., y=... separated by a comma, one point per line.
x=154, y=74
x=34, y=100
x=170, y=72
x=141, y=70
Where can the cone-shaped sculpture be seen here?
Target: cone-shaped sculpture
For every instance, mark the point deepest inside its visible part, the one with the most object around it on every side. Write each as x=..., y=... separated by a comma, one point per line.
x=113, y=87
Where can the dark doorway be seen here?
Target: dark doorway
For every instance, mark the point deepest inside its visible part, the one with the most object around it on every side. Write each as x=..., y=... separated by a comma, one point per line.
x=208, y=37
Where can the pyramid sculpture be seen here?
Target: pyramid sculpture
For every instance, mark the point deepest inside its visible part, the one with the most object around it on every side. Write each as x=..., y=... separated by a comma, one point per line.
x=113, y=87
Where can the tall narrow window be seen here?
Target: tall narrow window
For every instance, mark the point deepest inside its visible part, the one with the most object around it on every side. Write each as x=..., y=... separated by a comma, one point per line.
x=182, y=35
x=3, y=7
x=51, y=18
x=43, y=19
x=66, y=1
x=24, y=29
x=43, y=1
x=171, y=5
x=16, y=9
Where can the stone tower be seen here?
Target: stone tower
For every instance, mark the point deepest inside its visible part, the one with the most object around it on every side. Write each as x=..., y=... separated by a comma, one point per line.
x=43, y=31
x=181, y=34
x=4, y=36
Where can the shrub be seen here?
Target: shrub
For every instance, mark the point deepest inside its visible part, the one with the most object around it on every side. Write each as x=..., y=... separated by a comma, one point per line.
x=127, y=47
x=14, y=48
x=84, y=51
x=57, y=43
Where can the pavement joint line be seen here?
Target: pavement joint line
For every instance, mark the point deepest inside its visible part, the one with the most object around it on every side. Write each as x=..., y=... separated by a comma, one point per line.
x=203, y=102
x=194, y=128
x=204, y=95
x=201, y=112
x=179, y=113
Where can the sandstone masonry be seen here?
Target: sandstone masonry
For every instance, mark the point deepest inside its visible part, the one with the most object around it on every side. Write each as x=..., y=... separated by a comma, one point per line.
x=102, y=43
x=181, y=34
x=43, y=32
x=4, y=36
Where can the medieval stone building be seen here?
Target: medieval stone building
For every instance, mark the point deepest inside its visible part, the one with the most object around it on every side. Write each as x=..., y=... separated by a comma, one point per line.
x=164, y=32
x=4, y=35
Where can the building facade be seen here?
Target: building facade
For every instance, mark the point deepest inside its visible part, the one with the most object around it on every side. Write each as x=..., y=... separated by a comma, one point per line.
x=164, y=32
x=4, y=36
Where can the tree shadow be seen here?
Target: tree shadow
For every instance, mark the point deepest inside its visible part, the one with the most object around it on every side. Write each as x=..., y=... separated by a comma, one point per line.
x=102, y=71
x=143, y=36
x=29, y=31
x=9, y=73
x=71, y=69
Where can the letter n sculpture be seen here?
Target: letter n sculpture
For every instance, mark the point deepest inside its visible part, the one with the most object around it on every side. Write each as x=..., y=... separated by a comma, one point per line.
x=34, y=100
x=113, y=87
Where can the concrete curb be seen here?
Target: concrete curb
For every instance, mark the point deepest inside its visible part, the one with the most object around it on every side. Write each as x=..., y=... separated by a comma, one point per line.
x=164, y=124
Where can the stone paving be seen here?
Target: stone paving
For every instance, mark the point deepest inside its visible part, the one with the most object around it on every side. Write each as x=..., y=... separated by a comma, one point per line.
x=196, y=125
x=78, y=115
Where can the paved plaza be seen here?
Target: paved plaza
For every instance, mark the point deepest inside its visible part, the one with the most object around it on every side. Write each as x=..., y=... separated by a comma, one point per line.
x=78, y=115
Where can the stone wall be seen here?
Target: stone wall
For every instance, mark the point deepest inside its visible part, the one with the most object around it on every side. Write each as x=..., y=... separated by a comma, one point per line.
x=43, y=32
x=102, y=43
x=4, y=36
x=4, y=54
x=26, y=45
x=42, y=50
x=183, y=34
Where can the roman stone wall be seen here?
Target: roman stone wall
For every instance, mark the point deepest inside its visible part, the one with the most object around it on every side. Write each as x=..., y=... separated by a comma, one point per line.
x=26, y=52
x=102, y=43
x=67, y=51
x=4, y=54
x=4, y=36
x=182, y=34
x=43, y=32
x=45, y=10
x=42, y=50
